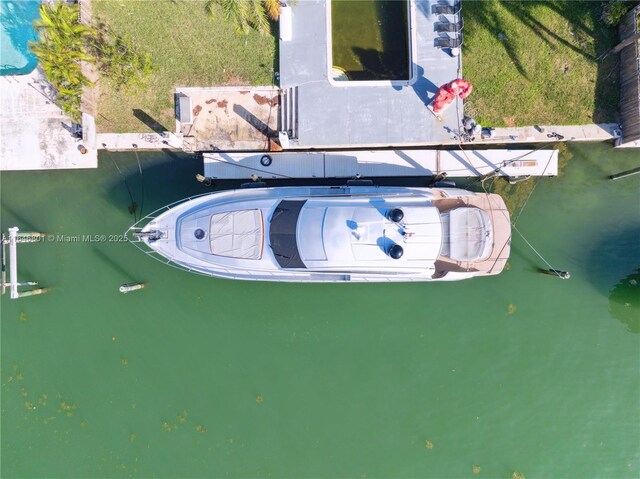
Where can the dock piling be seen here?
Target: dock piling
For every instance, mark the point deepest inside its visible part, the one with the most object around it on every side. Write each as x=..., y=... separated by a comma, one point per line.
x=556, y=272
x=623, y=174
x=127, y=287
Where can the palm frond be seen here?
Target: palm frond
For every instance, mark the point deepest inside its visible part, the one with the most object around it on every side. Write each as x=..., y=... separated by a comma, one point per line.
x=273, y=8
x=238, y=12
x=259, y=19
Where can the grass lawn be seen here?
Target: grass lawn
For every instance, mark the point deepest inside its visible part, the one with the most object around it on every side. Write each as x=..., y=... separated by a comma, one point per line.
x=535, y=63
x=188, y=49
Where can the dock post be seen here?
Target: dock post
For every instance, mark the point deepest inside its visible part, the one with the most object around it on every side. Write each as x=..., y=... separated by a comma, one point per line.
x=624, y=174
x=33, y=292
x=556, y=272
x=127, y=287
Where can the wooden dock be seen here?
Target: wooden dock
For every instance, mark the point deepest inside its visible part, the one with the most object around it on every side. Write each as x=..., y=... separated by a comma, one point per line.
x=630, y=78
x=381, y=163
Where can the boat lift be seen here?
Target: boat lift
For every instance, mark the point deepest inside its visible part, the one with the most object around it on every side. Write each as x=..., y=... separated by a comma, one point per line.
x=12, y=239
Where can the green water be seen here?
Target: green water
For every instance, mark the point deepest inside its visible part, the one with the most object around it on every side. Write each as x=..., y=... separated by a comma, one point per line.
x=199, y=377
x=370, y=39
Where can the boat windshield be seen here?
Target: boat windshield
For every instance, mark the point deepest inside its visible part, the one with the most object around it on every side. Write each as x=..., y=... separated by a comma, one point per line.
x=282, y=234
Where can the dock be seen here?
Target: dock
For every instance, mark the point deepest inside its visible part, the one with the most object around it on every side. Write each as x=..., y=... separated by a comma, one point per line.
x=381, y=163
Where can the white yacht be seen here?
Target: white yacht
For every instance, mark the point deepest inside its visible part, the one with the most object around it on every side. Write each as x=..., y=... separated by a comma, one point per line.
x=332, y=234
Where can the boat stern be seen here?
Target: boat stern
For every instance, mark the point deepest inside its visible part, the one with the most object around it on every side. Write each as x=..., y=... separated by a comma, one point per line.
x=477, y=236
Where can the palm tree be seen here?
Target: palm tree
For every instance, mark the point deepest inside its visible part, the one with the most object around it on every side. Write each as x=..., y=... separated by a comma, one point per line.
x=60, y=48
x=246, y=15
x=60, y=23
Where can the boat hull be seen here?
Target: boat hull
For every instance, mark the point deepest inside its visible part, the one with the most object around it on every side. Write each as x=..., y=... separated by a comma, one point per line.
x=195, y=234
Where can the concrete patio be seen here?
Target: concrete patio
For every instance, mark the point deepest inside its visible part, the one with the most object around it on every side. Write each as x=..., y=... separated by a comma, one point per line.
x=227, y=118
x=34, y=134
x=351, y=115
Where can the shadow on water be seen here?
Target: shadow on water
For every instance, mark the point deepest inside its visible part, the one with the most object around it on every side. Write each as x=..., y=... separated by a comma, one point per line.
x=114, y=265
x=373, y=66
x=166, y=177
x=16, y=18
x=614, y=256
x=624, y=301
x=526, y=255
x=169, y=176
x=16, y=218
x=394, y=34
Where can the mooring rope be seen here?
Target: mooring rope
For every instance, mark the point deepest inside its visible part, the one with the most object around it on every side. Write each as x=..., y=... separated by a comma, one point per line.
x=552, y=270
x=532, y=189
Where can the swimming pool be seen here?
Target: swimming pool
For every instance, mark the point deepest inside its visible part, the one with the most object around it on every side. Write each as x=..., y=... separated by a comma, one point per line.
x=16, y=20
x=369, y=41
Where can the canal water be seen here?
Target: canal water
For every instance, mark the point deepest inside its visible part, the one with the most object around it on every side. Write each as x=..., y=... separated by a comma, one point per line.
x=196, y=377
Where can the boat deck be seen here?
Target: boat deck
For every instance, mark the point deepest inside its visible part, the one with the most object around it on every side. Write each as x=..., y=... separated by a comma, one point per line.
x=500, y=220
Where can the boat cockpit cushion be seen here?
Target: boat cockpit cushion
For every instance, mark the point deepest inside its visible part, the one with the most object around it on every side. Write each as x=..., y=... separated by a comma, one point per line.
x=237, y=234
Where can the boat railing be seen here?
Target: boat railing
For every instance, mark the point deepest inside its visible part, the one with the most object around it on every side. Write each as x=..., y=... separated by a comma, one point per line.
x=143, y=246
x=154, y=214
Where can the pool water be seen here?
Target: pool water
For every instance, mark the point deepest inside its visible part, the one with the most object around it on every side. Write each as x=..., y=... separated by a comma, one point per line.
x=16, y=20
x=370, y=39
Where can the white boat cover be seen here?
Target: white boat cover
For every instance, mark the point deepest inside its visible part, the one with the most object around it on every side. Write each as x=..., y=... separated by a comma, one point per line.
x=469, y=234
x=237, y=234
